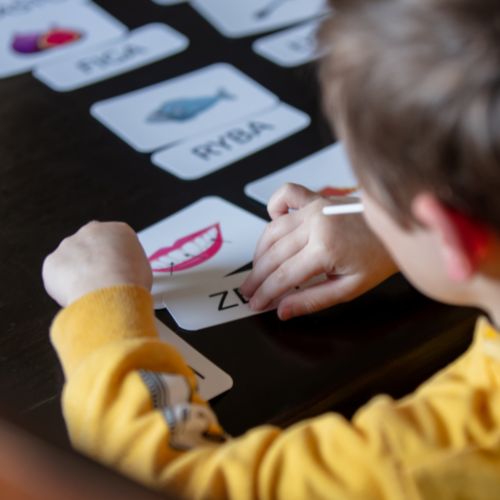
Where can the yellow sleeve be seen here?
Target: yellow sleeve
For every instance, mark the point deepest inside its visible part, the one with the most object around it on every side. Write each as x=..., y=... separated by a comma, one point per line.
x=130, y=402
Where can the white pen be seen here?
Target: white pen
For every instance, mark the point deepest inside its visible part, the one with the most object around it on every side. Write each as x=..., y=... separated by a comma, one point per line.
x=345, y=208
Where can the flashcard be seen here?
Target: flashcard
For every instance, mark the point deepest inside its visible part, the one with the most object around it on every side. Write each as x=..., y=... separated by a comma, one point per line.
x=36, y=32
x=141, y=46
x=203, y=242
x=240, y=18
x=212, y=381
x=182, y=107
x=291, y=47
x=197, y=157
x=216, y=302
x=328, y=172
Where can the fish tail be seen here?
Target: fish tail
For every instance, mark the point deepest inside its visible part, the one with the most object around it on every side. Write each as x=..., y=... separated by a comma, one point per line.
x=224, y=94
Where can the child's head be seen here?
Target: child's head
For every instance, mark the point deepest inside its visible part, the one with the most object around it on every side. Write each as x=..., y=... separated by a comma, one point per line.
x=413, y=88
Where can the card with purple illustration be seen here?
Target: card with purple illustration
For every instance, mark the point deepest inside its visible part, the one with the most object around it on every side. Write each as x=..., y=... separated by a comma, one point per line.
x=34, y=33
x=144, y=45
x=212, y=381
x=241, y=18
x=328, y=172
x=183, y=107
x=205, y=241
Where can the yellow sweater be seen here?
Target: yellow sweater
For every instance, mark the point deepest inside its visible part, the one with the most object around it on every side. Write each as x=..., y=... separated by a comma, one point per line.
x=130, y=402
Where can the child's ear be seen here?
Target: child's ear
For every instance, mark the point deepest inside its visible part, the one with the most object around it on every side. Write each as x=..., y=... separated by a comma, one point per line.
x=461, y=241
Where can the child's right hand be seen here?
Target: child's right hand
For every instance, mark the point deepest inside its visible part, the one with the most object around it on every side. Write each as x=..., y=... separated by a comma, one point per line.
x=99, y=255
x=300, y=245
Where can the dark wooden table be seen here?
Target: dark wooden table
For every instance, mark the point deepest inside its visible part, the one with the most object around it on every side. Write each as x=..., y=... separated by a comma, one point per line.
x=60, y=168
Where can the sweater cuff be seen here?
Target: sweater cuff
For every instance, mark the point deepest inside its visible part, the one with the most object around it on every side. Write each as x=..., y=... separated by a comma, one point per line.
x=99, y=319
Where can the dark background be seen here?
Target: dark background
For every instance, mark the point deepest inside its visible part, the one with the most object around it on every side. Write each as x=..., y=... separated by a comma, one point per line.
x=60, y=168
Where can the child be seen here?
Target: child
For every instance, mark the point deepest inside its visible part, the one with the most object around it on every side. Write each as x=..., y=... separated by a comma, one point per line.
x=414, y=89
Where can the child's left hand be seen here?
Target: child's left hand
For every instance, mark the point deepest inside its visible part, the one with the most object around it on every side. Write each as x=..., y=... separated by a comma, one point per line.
x=99, y=255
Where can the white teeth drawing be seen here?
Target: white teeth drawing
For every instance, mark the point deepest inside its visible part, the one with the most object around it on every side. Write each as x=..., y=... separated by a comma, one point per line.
x=188, y=252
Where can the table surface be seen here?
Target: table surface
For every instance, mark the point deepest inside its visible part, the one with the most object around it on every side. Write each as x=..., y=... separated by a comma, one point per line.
x=60, y=168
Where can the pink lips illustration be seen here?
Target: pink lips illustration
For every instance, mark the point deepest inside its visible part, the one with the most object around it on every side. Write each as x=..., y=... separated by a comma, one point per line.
x=188, y=252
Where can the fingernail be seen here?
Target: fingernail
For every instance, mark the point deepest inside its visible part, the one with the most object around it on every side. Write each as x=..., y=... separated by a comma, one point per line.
x=286, y=313
x=253, y=305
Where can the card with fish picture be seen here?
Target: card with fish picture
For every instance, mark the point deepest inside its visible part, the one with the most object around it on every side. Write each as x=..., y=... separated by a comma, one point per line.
x=328, y=172
x=250, y=17
x=212, y=381
x=218, y=148
x=46, y=31
x=205, y=241
x=183, y=107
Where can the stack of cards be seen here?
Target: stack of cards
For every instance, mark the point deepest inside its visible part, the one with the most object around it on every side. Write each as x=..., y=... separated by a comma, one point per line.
x=36, y=33
x=206, y=119
x=138, y=48
x=291, y=47
x=202, y=243
x=73, y=43
x=241, y=18
x=327, y=171
x=198, y=256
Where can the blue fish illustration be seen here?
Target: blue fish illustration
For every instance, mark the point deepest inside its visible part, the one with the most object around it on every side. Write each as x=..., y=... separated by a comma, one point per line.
x=184, y=109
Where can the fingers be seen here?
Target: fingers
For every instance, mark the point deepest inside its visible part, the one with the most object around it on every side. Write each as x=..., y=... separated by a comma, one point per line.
x=99, y=255
x=275, y=231
x=321, y=296
x=281, y=251
x=293, y=272
x=289, y=196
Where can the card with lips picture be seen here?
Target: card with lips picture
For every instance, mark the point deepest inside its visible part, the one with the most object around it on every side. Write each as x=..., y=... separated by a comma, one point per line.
x=188, y=252
x=203, y=242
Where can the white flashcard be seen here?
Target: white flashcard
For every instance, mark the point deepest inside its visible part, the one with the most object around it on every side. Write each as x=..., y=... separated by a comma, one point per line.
x=182, y=107
x=197, y=157
x=212, y=381
x=141, y=46
x=241, y=18
x=328, y=172
x=203, y=242
x=292, y=47
x=216, y=302
x=36, y=32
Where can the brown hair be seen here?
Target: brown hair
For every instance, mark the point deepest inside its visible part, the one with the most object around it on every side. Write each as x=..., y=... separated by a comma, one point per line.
x=414, y=88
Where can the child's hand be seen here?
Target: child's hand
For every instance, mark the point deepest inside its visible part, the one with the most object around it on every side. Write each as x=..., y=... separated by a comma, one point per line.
x=298, y=246
x=99, y=255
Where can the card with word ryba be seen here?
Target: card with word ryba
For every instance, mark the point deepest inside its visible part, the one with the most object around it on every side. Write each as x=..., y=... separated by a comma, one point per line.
x=241, y=18
x=205, y=241
x=226, y=145
x=328, y=172
x=139, y=47
x=183, y=107
x=38, y=32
